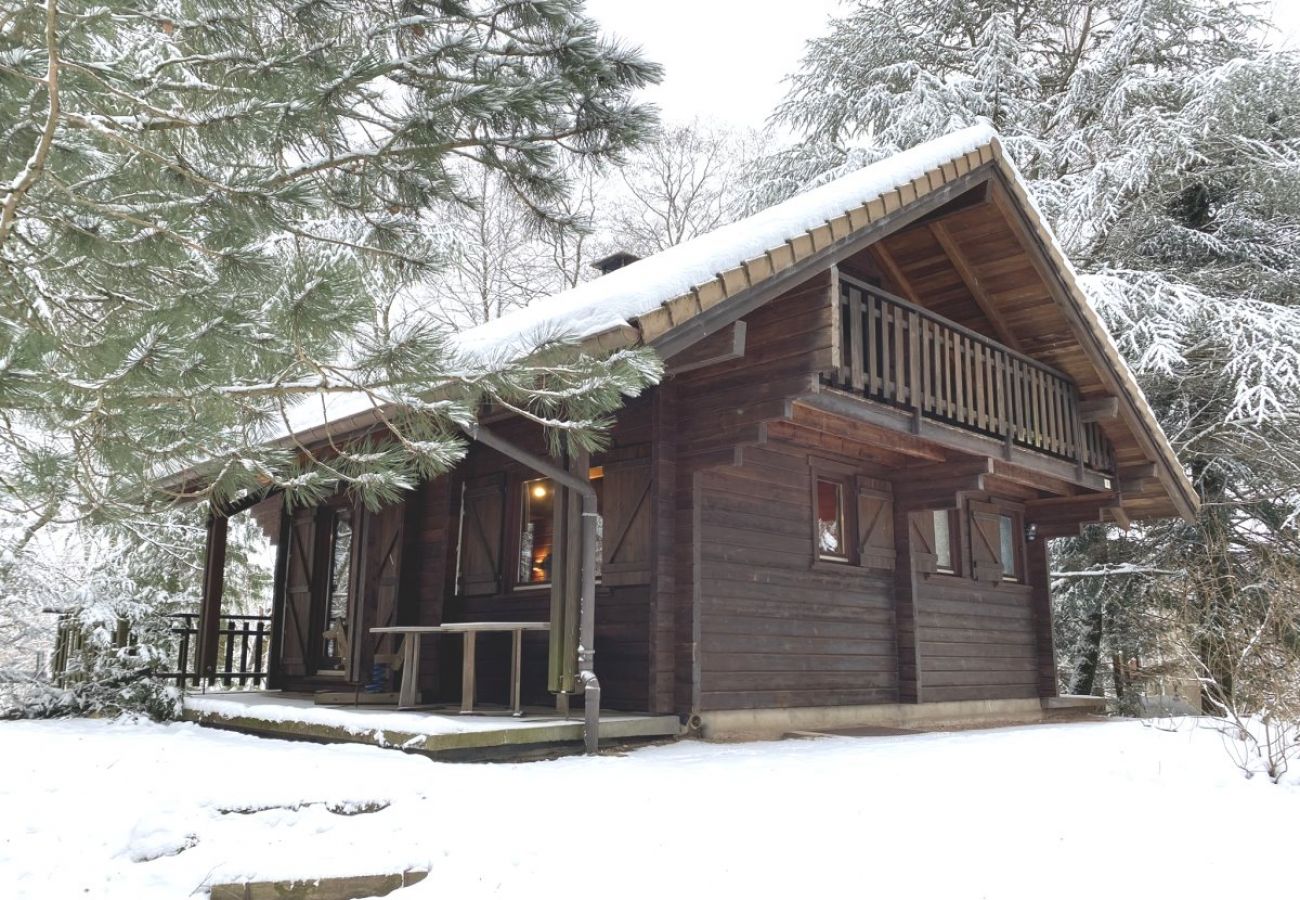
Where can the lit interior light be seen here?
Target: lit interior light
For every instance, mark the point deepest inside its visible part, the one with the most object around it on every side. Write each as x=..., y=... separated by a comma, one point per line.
x=539, y=491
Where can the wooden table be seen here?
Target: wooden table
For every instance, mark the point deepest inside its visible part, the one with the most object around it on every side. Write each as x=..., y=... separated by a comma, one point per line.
x=408, y=695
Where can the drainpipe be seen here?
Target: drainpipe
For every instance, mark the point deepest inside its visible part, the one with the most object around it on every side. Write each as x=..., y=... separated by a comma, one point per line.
x=587, y=601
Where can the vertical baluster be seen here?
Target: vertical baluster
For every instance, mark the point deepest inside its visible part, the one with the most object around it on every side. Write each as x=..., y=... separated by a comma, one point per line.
x=1058, y=418
x=943, y=367
x=927, y=360
x=230, y=650
x=857, y=366
x=914, y=394
x=981, y=396
x=886, y=355
x=259, y=664
x=1034, y=418
x=183, y=660
x=873, y=351
x=900, y=355
x=958, y=381
x=243, y=653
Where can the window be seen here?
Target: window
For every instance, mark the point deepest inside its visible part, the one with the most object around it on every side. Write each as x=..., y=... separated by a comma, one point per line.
x=943, y=541
x=1009, y=546
x=537, y=528
x=537, y=532
x=831, y=543
x=334, y=648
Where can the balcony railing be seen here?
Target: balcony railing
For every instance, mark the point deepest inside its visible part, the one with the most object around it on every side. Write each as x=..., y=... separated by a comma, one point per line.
x=894, y=352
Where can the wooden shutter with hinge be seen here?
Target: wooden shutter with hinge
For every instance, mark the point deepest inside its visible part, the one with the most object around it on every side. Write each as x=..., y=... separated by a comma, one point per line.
x=986, y=542
x=384, y=532
x=295, y=640
x=875, y=529
x=625, y=544
x=481, y=536
x=921, y=524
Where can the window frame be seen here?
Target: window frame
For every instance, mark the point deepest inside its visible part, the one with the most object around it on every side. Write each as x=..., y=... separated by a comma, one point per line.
x=327, y=516
x=517, y=489
x=1016, y=574
x=522, y=499
x=845, y=480
x=952, y=516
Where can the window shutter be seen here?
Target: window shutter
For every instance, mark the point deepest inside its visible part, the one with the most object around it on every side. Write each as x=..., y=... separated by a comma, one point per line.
x=985, y=543
x=876, y=529
x=482, y=526
x=625, y=544
x=384, y=531
x=295, y=637
x=924, y=559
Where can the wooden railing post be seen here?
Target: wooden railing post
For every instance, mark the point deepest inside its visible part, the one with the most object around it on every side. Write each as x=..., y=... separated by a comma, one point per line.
x=214, y=572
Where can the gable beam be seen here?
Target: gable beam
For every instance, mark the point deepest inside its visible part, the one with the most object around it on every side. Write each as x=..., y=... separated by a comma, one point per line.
x=966, y=272
x=744, y=302
x=886, y=261
x=1100, y=410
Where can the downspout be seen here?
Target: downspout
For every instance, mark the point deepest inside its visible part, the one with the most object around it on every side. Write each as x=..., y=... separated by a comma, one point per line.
x=587, y=600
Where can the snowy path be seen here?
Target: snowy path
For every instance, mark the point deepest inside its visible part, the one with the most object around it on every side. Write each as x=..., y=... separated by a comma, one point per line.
x=91, y=809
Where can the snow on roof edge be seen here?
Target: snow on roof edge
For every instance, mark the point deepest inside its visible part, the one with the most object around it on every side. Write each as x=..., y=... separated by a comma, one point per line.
x=637, y=289
x=611, y=301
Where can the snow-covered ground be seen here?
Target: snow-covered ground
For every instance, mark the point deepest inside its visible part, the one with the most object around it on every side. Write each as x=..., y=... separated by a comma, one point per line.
x=131, y=810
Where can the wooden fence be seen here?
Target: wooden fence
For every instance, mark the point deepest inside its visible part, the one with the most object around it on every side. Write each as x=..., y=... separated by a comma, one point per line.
x=243, y=649
x=897, y=353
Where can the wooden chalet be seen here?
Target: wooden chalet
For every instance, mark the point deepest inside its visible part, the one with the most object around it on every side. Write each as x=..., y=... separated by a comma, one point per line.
x=833, y=511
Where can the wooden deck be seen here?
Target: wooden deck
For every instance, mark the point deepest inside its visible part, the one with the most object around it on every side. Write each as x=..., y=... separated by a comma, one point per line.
x=436, y=732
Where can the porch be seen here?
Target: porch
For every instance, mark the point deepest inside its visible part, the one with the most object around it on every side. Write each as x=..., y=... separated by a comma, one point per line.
x=438, y=731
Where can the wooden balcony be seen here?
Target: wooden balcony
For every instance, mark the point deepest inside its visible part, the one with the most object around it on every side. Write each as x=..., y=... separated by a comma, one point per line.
x=891, y=351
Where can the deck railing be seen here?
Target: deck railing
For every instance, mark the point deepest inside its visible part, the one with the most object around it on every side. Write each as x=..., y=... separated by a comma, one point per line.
x=243, y=649
x=897, y=353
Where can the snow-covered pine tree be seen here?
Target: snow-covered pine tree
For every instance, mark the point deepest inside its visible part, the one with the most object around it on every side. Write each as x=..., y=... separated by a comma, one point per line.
x=206, y=209
x=1162, y=139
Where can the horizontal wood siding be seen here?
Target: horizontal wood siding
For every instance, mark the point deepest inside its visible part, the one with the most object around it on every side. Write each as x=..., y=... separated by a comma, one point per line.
x=976, y=641
x=773, y=629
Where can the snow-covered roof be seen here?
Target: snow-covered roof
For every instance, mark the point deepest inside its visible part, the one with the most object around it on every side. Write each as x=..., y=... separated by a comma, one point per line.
x=643, y=301
x=608, y=310
x=637, y=289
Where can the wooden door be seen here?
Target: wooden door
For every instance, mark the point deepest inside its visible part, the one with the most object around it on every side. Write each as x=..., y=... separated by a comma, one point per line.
x=295, y=640
x=384, y=532
x=482, y=528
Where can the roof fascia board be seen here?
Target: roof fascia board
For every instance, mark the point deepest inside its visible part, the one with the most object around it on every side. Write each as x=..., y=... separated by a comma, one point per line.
x=1069, y=297
x=700, y=326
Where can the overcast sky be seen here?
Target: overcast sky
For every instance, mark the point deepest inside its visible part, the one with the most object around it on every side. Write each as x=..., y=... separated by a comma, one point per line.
x=725, y=59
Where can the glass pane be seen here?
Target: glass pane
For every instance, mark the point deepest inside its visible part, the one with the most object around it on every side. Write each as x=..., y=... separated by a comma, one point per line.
x=942, y=540
x=537, y=537
x=336, y=612
x=597, y=477
x=1007, y=532
x=830, y=520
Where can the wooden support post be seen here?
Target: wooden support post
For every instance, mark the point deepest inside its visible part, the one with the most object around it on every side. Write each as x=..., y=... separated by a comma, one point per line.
x=906, y=589
x=1038, y=574
x=214, y=575
x=279, y=592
